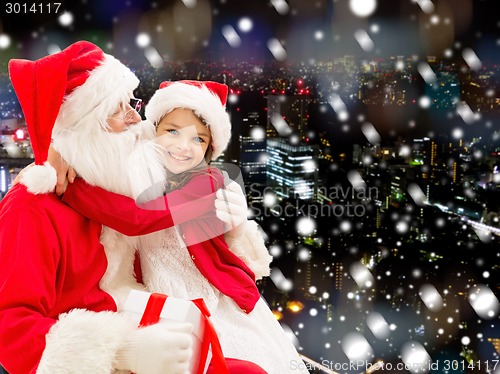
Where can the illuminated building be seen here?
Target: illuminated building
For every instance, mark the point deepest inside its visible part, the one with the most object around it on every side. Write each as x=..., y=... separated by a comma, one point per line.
x=293, y=109
x=291, y=169
x=496, y=344
x=253, y=156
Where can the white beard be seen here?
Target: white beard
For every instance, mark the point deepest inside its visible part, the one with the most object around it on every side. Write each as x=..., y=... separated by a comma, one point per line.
x=127, y=163
x=116, y=162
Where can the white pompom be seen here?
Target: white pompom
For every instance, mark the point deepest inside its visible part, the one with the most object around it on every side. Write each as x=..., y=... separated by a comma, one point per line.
x=40, y=178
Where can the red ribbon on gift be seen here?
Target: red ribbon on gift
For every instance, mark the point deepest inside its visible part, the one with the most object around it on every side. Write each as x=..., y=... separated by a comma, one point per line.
x=151, y=316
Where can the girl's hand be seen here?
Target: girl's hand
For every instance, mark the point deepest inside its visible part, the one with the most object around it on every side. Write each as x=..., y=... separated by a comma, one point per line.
x=231, y=204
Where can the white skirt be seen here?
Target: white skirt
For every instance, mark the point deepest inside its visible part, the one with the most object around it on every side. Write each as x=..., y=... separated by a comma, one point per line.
x=257, y=337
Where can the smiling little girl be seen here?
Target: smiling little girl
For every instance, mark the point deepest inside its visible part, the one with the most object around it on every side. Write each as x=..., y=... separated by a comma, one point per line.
x=193, y=259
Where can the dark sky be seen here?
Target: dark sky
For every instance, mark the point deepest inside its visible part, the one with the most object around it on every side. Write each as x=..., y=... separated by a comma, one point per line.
x=403, y=27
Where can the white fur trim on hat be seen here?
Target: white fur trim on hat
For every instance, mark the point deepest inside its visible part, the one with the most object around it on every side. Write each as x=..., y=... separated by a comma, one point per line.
x=108, y=85
x=204, y=104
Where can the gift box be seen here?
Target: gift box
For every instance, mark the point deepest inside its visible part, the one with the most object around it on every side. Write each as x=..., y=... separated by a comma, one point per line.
x=149, y=308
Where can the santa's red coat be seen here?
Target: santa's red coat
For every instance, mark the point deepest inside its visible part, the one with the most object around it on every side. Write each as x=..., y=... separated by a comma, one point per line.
x=51, y=261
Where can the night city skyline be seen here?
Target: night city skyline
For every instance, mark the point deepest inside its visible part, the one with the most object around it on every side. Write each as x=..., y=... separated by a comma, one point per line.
x=371, y=160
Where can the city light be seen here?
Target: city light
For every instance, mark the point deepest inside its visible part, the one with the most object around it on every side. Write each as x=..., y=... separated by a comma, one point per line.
x=295, y=306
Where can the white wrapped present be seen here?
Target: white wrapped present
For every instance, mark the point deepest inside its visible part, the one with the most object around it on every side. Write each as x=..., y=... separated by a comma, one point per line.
x=149, y=308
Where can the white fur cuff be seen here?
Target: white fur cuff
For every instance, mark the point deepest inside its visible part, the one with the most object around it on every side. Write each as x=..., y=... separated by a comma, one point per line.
x=84, y=342
x=247, y=242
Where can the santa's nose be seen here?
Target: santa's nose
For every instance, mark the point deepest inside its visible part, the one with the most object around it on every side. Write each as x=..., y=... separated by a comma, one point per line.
x=134, y=119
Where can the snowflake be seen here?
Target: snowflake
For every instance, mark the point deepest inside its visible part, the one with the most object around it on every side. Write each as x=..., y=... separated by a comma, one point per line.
x=431, y=297
x=426, y=73
x=305, y=226
x=153, y=57
x=143, y=40
x=281, y=6
x=424, y=102
x=66, y=19
x=309, y=166
x=457, y=133
x=4, y=41
x=364, y=40
x=339, y=107
x=275, y=250
x=280, y=281
x=402, y=227
x=363, y=8
x=378, y=325
x=427, y=6
x=361, y=275
x=280, y=124
x=417, y=194
x=370, y=133
x=277, y=49
x=245, y=24
x=415, y=356
x=356, y=347
x=465, y=340
x=269, y=199
x=303, y=255
x=231, y=36
x=471, y=59
x=484, y=302
x=319, y=35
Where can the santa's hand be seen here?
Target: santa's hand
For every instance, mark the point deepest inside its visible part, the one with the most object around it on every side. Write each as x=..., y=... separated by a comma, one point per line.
x=157, y=349
x=64, y=172
x=231, y=205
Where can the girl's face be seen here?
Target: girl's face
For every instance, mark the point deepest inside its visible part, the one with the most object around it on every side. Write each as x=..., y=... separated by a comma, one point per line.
x=185, y=139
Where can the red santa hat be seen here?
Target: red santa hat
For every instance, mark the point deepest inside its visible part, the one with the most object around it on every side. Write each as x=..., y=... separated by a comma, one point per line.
x=205, y=98
x=58, y=91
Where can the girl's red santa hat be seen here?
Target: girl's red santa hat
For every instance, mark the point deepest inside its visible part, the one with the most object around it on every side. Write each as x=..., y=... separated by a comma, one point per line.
x=206, y=99
x=72, y=90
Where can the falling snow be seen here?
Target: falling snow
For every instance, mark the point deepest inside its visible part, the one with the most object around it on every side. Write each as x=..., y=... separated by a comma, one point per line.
x=280, y=124
x=415, y=356
x=363, y=8
x=231, y=36
x=277, y=49
x=484, y=302
x=414, y=278
x=364, y=40
x=281, y=6
x=66, y=19
x=371, y=133
x=431, y=297
x=305, y=226
x=426, y=72
x=356, y=347
x=339, y=107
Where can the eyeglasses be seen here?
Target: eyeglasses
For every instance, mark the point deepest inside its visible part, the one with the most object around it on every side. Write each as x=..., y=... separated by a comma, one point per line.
x=136, y=105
